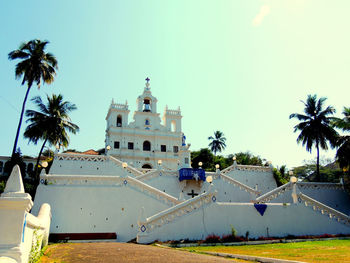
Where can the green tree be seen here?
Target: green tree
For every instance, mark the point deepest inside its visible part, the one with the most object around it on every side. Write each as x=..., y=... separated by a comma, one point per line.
x=51, y=123
x=247, y=158
x=205, y=156
x=315, y=127
x=343, y=152
x=35, y=66
x=217, y=143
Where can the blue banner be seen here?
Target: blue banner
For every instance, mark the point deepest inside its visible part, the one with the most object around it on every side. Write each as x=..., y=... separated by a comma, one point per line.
x=191, y=174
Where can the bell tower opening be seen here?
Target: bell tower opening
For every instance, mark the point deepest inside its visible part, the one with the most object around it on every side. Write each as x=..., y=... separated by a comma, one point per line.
x=119, y=121
x=147, y=105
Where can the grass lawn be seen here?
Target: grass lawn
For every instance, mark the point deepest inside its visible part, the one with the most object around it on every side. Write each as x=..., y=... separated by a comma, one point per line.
x=309, y=251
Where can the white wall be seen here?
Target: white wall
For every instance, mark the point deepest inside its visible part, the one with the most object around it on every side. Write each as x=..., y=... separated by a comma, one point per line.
x=217, y=218
x=94, y=208
x=262, y=179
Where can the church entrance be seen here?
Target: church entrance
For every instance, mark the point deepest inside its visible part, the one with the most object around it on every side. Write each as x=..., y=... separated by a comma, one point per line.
x=147, y=166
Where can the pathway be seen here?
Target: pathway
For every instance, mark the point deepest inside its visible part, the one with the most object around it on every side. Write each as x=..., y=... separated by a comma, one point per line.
x=122, y=252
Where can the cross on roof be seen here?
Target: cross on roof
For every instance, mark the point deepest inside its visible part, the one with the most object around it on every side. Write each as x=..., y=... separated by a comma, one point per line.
x=147, y=79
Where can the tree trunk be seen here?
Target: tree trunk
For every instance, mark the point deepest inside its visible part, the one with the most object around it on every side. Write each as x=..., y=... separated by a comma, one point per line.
x=20, y=120
x=38, y=160
x=318, y=163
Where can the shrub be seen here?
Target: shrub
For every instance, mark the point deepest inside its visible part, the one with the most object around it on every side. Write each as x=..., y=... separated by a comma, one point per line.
x=212, y=239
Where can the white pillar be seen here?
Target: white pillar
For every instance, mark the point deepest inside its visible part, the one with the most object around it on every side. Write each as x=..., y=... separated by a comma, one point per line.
x=14, y=207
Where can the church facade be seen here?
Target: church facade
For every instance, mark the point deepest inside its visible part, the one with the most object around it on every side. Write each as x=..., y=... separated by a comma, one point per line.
x=146, y=142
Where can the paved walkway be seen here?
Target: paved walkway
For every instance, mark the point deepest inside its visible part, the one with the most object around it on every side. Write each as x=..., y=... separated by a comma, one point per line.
x=122, y=252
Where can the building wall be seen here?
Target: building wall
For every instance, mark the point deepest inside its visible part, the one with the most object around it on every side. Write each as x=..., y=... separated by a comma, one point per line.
x=278, y=221
x=97, y=207
x=260, y=178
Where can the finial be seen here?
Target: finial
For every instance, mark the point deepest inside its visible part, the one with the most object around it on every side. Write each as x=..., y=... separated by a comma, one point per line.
x=147, y=83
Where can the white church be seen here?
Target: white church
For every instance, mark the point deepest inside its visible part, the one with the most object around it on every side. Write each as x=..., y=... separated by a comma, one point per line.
x=145, y=142
x=144, y=188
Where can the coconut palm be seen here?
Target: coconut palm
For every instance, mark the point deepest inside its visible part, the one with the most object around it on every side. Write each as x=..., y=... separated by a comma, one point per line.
x=217, y=143
x=51, y=123
x=343, y=152
x=315, y=127
x=35, y=66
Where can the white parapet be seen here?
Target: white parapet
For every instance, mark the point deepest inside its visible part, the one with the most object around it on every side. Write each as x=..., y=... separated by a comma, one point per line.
x=18, y=227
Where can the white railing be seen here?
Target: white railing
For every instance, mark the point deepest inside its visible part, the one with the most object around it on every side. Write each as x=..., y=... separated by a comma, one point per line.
x=119, y=106
x=173, y=112
x=239, y=184
x=174, y=212
x=318, y=186
x=323, y=209
x=151, y=190
x=157, y=173
x=240, y=167
x=130, y=169
x=80, y=157
x=108, y=181
x=274, y=193
x=80, y=180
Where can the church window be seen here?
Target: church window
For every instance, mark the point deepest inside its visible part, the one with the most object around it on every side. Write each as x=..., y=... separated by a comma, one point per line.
x=176, y=149
x=163, y=148
x=116, y=145
x=147, y=122
x=119, y=121
x=146, y=146
x=130, y=145
x=186, y=160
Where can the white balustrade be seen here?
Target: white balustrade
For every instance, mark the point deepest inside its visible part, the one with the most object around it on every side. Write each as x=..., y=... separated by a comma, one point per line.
x=175, y=212
x=274, y=193
x=323, y=209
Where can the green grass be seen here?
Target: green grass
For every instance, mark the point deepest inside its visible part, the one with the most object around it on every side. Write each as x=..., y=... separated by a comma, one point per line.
x=309, y=251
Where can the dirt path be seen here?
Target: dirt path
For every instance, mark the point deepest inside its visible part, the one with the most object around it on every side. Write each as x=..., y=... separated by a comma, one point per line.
x=121, y=252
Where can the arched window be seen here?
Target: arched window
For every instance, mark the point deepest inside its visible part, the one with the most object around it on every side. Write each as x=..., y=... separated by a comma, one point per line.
x=147, y=166
x=119, y=121
x=147, y=122
x=146, y=146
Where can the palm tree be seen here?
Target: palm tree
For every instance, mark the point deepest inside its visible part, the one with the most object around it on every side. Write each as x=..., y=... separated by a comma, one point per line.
x=217, y=143
x=315, y=128
x=343, y=152
x=35, y=66
x=50, y=123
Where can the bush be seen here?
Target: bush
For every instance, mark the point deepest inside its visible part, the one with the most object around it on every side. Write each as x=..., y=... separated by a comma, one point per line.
x=212, y=239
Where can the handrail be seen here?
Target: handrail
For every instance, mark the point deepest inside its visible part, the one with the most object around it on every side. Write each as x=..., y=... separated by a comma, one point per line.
x=274, y=193
x=130, y=169
x=152, y=190
x=317, y=206
x=178, y=210
x=321, y=185
x=109, y=180
x=246, y=167
x=239, y=184
x=156, y=173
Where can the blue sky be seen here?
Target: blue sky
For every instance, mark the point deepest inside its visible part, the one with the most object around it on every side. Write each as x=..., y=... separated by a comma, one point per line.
x=241, y=67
